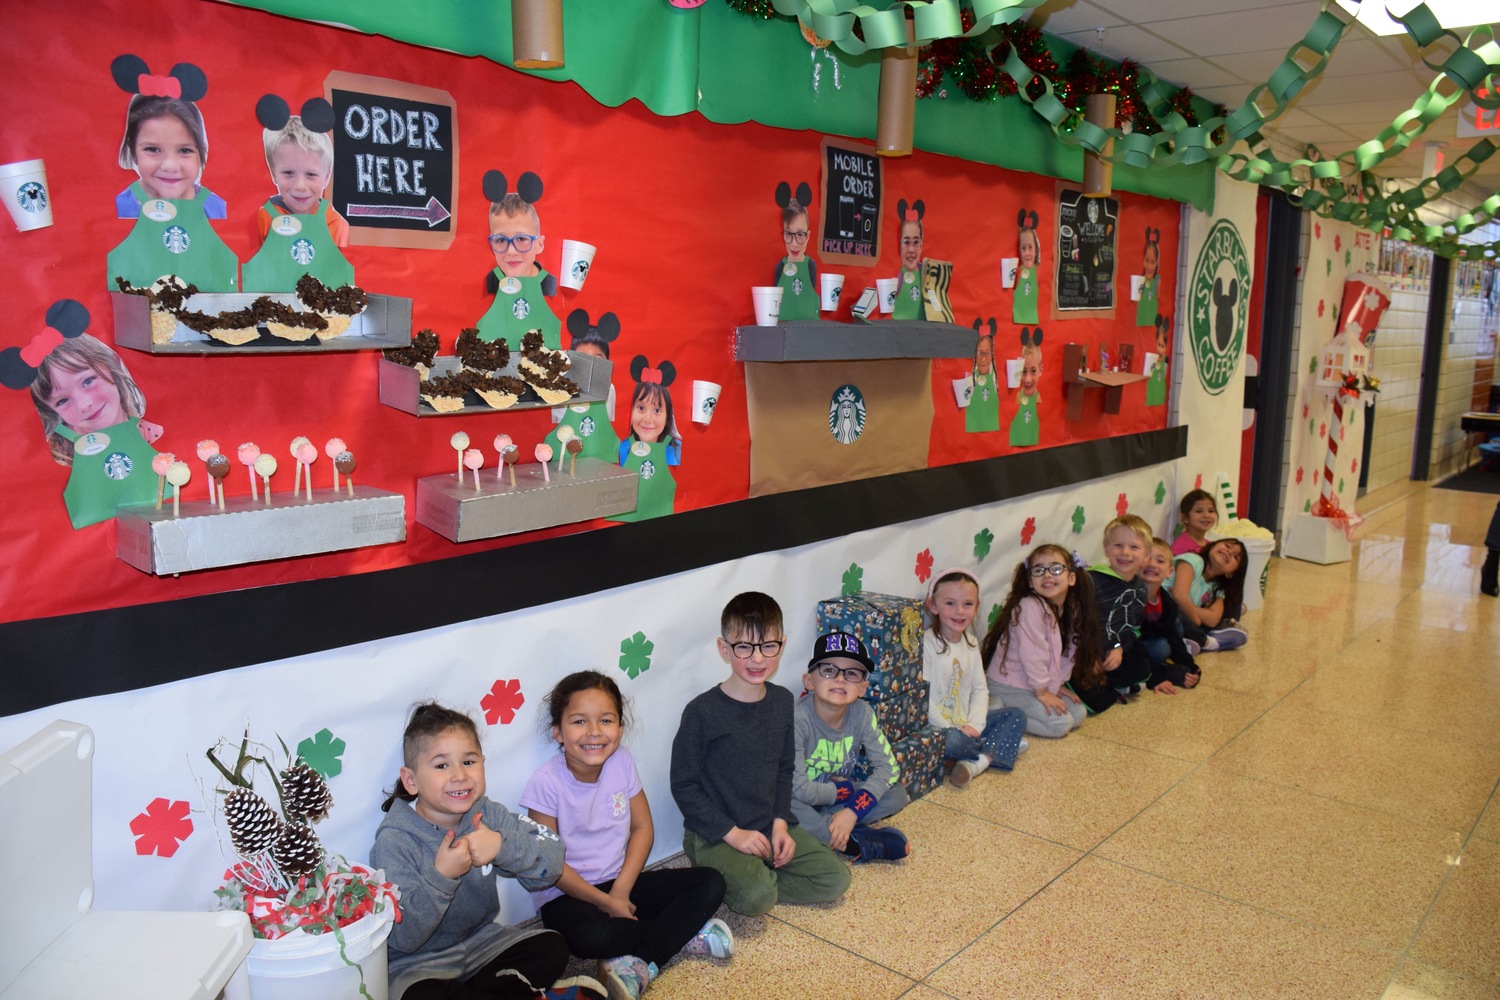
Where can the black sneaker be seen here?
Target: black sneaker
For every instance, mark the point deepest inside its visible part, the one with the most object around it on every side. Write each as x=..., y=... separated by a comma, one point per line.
x=882, y=844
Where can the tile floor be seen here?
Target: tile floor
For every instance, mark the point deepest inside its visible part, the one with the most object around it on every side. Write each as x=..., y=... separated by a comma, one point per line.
x=1317, y=819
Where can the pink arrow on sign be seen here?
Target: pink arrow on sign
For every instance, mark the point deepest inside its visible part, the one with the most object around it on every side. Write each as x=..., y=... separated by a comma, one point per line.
x=433, y=212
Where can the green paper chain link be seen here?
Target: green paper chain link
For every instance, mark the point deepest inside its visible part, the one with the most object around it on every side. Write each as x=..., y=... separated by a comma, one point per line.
x=885, y=26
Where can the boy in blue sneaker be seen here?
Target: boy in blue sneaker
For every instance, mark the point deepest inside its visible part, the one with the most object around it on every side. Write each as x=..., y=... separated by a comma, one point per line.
x=833, y=726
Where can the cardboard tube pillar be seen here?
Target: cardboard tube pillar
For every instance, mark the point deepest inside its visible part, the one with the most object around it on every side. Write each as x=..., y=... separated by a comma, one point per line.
x=536, y=34
x=1098, y=173
x=898, y=99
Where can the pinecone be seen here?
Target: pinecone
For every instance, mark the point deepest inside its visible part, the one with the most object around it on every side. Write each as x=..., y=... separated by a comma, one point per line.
x=304, y=794
x=253, y=824
x=297, y=851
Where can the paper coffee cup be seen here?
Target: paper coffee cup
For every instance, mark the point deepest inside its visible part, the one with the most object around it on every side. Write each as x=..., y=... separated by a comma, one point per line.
x=23, y=185
x=1148, y=361
x=833, y=287
x=1136, y=281
x=577, y=258
x=887, y=287
x=1008, y=268
x=705, y=400
x=1013, y=368
x=963, y=389
x=767, y=304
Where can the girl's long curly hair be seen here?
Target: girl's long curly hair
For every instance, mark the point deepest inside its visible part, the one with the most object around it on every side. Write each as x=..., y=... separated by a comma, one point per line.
x=1078, y=619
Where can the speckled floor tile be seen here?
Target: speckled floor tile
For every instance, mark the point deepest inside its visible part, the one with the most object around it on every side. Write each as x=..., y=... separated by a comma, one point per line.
x=1304, y=743
x=1353, y=871
x=1489, y=823
x=1074, y=791
x=912, y=915
x=924, y=992
x=1064, y=944
x=1190, y=725
x=773, y=958
x=1440, y=609
x=1462, y=933
x=1420, y=981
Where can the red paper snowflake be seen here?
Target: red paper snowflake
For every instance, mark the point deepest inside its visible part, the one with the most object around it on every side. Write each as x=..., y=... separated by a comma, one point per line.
x=1338, y=243
x=1353, y=467
x=1316, y=473
x=1341, y=432
x=1317, y=230
x=161, y=828
x=1304, y=411
x=1320, y=308
x=1198, y=482
x=504, y=699
x=1299, y=475
x=1322, y=431
x=1122, y=506
x=924, y=565
x=1028, y=531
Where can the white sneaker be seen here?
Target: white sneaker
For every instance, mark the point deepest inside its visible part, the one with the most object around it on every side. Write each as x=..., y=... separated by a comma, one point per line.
x=1022, y=747
x=963, y=772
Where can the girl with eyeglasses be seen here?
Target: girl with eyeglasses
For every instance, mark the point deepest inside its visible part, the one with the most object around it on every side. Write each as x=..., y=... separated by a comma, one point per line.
x=796, y=273
x=1045, y=638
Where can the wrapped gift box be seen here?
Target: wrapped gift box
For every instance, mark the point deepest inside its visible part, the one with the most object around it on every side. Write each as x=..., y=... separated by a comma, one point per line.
x=902, y=715
x=890, y=627
x=921, y=758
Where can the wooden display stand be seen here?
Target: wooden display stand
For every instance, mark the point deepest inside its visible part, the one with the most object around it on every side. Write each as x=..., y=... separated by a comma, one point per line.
x=1077, y=382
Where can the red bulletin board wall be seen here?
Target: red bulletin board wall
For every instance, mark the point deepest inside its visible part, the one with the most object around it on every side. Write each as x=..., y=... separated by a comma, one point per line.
x=682, y=212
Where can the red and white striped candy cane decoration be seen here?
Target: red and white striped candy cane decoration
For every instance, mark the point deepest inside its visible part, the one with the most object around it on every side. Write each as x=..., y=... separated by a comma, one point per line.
x=1328, y=503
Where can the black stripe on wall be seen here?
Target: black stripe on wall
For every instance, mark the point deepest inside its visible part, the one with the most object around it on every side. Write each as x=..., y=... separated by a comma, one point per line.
x=51, y=660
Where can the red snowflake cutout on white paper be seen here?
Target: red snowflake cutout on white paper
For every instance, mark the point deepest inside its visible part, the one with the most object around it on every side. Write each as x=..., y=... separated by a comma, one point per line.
x=503, y=701
x=161, y=828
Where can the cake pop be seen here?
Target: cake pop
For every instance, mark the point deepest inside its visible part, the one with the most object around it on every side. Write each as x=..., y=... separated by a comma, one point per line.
x=306, y=456
x=474, y=461
x=509, y=456
x=575, y=448
x=458, y=442
x=565, y=434
x=159, y=465
x=266, y=466
x=207, y=449
x=248, y=453
x=218, y=468
x=297, y=443
x=344, y=462
x=502, y=442
x=333, y=449
x=543, y=456
x=178, y=475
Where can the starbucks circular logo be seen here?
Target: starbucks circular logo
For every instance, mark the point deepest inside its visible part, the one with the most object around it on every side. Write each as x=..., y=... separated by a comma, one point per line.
x=117, y=465
x=32, y=197
x=1220, y=303
x=303, y=252
x=648, y=469
x=846, y=414
x=520, y=309
x=176, y=239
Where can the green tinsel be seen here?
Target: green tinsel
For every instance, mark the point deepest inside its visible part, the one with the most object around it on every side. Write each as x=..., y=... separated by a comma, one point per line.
x=761, y=9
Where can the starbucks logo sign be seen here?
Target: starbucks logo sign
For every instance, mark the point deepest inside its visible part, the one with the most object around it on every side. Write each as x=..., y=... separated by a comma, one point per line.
x=846, y=414
x=1219, y=304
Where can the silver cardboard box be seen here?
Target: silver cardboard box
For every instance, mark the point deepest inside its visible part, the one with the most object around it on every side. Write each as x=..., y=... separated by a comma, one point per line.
x=386, y=322
x=825, y=340
x=400, y=385
x=460, y=513
x=248, y=531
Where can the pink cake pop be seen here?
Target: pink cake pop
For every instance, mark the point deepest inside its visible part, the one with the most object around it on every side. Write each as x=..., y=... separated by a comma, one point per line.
x=543, y=456
x=218, y=468
x=333, y=449
x=208, y=448
x=159, y=465
x=474, y=461
x=247, y=454
x=178, y=475
x=306, y=456
x=502, y=442
x=344, y=462
x=266, y=466
x=297, y=443
x=458, y=442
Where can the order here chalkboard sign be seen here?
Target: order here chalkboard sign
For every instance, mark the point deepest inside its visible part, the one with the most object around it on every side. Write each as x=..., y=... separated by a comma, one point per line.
x=395, y=161
x=849, y=229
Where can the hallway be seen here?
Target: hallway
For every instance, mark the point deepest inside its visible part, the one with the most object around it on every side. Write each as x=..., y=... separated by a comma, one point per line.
x=1317, y=819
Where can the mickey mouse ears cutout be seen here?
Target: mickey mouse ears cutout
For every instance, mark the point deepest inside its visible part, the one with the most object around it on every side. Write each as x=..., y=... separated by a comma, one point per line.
x=66, y=319
x=273, y=113
x=664, y=375
x=1030, y=337
x=1163, y=323
x=979, y=322
x=1153, y=236
x=784, y=194
x=132, y=75
x=912, y=214
x=607, y=329
x=529, y=187
x=1026, y=219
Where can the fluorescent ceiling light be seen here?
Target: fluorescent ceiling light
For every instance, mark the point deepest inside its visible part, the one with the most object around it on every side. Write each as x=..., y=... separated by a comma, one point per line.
x=1450, y=13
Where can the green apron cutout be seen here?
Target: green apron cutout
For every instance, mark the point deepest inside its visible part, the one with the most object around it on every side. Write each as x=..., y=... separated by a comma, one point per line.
x=657, y=489
x=296, y=245
x=800, y=300
x=909, y=305
x=172, y=236
x=1023, y=304
x=1145, y=307
x=1156, y=384
x=111, y=468
x=590, y=423
x=515, y=312
x=983, y=412
x=1026, y=428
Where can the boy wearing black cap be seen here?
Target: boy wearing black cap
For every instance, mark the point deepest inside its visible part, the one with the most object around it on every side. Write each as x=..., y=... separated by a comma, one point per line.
x=833, y=725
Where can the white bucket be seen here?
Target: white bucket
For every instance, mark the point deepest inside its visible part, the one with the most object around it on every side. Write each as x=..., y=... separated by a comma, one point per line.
x=1258, y=565
x=305, y=966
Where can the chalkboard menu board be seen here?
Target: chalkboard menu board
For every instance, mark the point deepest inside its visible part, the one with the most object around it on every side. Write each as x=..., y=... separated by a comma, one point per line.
x=395, y=161
x=1086, y=231
x=849, y=229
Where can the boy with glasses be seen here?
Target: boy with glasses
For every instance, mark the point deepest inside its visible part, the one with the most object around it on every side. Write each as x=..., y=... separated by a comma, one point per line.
x=520, y=284
x=732, y=763
x=834, y=725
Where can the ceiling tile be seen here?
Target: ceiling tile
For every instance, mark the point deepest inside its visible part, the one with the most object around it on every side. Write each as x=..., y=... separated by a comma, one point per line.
x=1147, y=11
x=1197, y=73
x=1060, y=18
x=1238, y=31
x=1128, y=42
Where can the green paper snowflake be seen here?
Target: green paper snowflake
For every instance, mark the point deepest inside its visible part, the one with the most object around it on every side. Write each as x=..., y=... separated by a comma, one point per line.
x=1078, y=520
x=1161, y=490
x=321, y=752
x=1347, y=258
x=854, y=579
x=1312, y=366
x=1329, y=262
x=1312, y=425
x=1307, y=507
x=635, y=655
x=982, y=543
x=994, y=615
x=1341, y=484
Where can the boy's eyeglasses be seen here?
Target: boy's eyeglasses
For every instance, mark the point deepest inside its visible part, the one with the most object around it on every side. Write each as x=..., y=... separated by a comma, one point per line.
x=829, y=671
x=1053, y=569
x=794, y=235
x=522, y=243
x=745, y=650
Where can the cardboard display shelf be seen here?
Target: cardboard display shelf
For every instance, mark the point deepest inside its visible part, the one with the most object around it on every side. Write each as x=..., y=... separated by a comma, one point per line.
x=248, y=530
x=456, y=510
x=385, y=323
x=400, y=386
x=1076, y=383
x=822, y=340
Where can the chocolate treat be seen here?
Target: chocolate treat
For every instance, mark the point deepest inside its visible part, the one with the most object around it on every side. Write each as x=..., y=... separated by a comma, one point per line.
x=424, y=347
x=344, y=462
x=574, y=446
x=218, y=466
x=348, y=300
x=475, y=353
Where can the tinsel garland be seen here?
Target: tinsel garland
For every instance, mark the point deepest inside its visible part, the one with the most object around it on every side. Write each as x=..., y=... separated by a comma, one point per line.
x=761, y=9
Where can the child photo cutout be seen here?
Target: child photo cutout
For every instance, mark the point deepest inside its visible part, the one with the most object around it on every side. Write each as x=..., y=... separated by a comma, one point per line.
x=1025, y=427
x=653, y=445
x=796, y=273
x=590, y=422
x=983, y=412
x=520, y=285
x=1023, y=307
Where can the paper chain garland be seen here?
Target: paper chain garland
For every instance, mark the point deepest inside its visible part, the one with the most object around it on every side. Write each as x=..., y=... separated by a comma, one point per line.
x=1314, y=182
